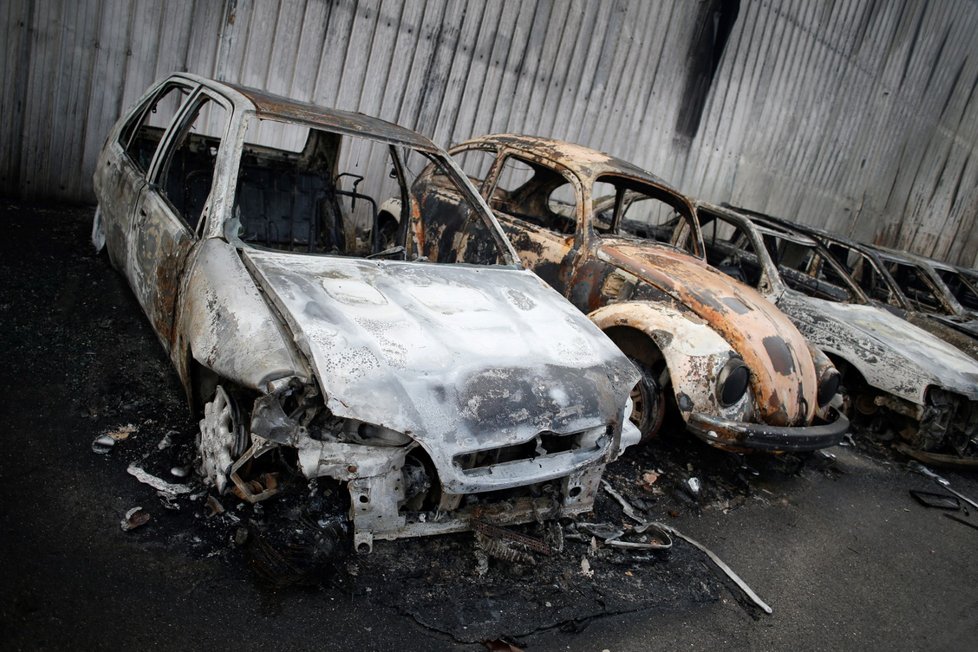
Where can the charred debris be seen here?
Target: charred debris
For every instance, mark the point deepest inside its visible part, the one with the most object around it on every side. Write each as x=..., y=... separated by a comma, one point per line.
x=300, y=536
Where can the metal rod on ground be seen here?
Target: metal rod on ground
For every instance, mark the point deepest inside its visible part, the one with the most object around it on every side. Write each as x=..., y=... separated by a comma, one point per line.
x=722, y=566
x=920, y=468
x=631, y=513
x=962, y=521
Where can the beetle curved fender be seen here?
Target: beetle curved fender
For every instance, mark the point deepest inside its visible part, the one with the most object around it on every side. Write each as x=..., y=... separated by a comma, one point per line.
x=694, y=353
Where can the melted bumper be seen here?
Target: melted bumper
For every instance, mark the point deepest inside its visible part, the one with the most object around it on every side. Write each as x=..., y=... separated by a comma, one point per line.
x=724, y=433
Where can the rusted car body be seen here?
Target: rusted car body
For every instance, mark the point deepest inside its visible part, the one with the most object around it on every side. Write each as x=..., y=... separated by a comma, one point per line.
x=869, y=271
x=436, y=388
x=893, y=372
x=738, y=372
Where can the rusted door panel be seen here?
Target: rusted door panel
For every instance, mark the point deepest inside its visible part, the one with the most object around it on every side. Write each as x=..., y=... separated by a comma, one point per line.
x=547, y=253
x=158, y=249
x=590, y=288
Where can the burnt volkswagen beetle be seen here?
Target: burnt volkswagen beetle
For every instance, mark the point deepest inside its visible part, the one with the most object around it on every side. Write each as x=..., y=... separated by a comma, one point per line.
x=625, y=248
x=433, y=386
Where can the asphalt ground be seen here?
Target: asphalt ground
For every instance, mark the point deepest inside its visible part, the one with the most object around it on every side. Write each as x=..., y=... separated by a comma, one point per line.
x=836, y=546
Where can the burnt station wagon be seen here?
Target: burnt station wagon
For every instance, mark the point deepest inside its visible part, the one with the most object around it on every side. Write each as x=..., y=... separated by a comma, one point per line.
x=434, y=385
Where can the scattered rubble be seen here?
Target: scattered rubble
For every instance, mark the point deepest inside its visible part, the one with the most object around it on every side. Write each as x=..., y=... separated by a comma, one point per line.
x=644, y=524
x=159, y=484
x=923, y=470
x=134, y=518
x=103, y=445
x=122, y=432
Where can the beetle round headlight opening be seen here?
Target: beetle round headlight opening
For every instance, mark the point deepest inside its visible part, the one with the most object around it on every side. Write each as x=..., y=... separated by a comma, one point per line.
x=732, y=382
x=828, y=386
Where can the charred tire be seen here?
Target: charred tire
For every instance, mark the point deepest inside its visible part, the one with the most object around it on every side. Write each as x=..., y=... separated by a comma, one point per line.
x=648, y=402
x=222, y=438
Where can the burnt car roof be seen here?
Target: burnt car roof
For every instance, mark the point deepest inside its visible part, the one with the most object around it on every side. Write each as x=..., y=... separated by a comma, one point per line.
x=585, y=161
x=269, y=105
x=905, y=257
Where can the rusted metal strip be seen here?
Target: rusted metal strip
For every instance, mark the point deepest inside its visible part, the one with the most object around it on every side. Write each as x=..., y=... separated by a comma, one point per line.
x=496, y=532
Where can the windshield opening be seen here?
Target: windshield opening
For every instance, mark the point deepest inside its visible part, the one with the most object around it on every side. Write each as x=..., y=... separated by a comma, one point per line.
x=805, y=269
x=308, y=190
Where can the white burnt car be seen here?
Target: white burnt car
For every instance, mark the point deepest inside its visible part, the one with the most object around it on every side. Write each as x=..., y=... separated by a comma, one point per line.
x=901, y=382
x=437, y=387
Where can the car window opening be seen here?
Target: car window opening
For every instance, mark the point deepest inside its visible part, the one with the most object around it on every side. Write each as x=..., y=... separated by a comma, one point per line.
x=915, y=287
x=960, y=288
x=308, y=190
x=803, y=269
x=729, y=249
x=187, y=174
x=624, y=207
x=524, y=191
x=141, y=137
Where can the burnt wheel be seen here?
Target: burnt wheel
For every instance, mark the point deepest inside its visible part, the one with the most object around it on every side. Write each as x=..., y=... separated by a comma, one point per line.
x=221, y=440
x=648, y=402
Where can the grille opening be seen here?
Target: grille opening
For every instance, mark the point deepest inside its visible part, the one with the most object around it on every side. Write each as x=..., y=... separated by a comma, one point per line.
x=546, y=443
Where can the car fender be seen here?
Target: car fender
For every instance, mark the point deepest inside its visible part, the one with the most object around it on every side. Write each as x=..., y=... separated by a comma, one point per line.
x=694, y=353
x=226, y=326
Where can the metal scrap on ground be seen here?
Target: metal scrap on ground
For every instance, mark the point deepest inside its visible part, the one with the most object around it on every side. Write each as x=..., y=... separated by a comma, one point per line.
x=634, y=515
x=920, y=468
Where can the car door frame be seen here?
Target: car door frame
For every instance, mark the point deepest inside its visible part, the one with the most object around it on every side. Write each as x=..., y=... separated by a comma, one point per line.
x=161, y=241
x=115, y=160
x=573, y=245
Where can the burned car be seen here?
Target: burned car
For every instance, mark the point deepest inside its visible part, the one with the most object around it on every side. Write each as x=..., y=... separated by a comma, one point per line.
x=604, y=233
x=893, y=373
x=927, y=285
x=428, y=387
x=869, y=271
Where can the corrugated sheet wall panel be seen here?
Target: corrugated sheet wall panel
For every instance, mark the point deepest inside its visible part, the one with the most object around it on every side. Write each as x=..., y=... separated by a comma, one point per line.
x=858, y=115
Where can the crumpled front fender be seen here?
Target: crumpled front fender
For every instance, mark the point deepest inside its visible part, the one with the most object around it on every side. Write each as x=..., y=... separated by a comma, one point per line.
x=227, y=325
x=694, y=353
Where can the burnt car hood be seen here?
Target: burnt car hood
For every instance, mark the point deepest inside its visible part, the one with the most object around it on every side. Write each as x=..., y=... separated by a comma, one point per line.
x=915, y=356
x=459, y=357
x=782, y=371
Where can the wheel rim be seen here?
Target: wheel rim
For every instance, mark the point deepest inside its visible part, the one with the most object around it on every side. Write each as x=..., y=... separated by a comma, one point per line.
x=638, y=405
x=648, y=406
x=219, y=440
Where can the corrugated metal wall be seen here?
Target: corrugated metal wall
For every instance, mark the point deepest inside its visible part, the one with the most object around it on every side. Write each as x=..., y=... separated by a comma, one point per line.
x=859, y=115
